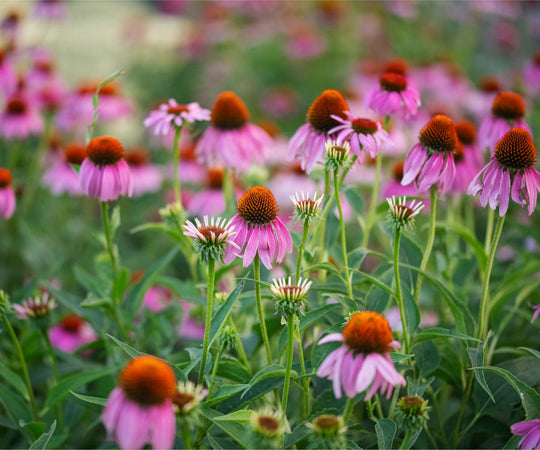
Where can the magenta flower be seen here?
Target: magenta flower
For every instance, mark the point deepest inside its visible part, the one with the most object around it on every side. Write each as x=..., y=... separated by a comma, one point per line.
x=61, y=177
x=7, y=195
x=467, y=158
x=431, y=161
x=172, y=114
x=530, y=430
x=140, y=410
x=20, y=118
x=393, y=96
x=148, y=177
x=210, y=200
x=231, y=140
x=307, y=144
x=8, y=76
x=259, y=229
x=394, y=188
x=104, y=174
x=71, y=333
x=364, y=135
x=50, y=9
x=510, y=172
x=34, y=308
x=531, y=75
x=507, y=111
x=363, y=361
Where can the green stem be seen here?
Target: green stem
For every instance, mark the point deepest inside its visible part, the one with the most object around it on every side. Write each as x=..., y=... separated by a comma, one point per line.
x=343, y=236
x=305, y=392
x=55, y=375
x=489, y=228
x=24, y=367
x=348, y=410
x=239, y=346
x=108, y=239
x=484, y=301
x=301, y=250
x=260, y=310
x=431, y=240
x=288, y=367
x=186, y=434
x=406, y=439
x=176, y=166
x=399, y=295
x=208, y=320
x=215, y=366
x=322, y=224
x=228, y=191
x=373, y=203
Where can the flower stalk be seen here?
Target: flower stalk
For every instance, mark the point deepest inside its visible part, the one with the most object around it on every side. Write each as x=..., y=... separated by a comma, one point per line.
x=176, y=165
x=208, y=320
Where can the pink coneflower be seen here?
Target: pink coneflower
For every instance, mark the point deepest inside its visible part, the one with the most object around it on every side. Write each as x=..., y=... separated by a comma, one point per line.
x=140, y=411
x=147, y=176
x=172, y=114
x=307, y=144
x=531, y=75
x=507, y=111
x=104, y=174
x=20, y=119
x=61, y=177
x=431, y=161
x=35, y=308
x=530, y=430
x=393, y=96
x=231, y=139
x=191, y=327
x=510, y=172
x=7, y=195
x=304, y=43
x=466, y=156
x=44, y=82
x=157, y=298
x=478, y=102
x=209, y=201
x=260, y=230
x=8, y=76
x=363, y=134
x=363, y=360
x=71, y=333
x=394, y=186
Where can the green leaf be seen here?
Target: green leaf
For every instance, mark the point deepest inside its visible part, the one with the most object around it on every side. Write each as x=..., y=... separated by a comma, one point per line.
x=427, y=357
x=73, y=381
x=477, y=360
x=299, y=433
x=221, y=315
x=121, y=283
x=439, y=332
x=231, y=369
x=324, y=266
x=355, y=200
x=316, y=314
x=115, y=220
x=100, y=401
x=15, y=405
x=412, y=313
x=469, y=237
x=241, y=416
x=132, y=352
x=271, y=371
x=531, y=351
x=379, y=295
x=386, y=430
x=238, y=431
x=42, y=441
x=14, y=379
x=225, y=392
x=331, y=230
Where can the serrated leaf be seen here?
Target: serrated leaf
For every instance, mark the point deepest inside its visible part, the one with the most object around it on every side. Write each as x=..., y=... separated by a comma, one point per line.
x=42, y=441
x=386, y=430
x=221, y=315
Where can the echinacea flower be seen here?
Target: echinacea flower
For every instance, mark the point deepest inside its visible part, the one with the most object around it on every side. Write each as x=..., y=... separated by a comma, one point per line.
x=8, y=76
x=147, y=176
x=104, y=174
x=20, y=118
x=412, y=412
x=401, y=216
x=337, y=155
x=328, y=432
x=267, y=428
x=212, y=239
x=306, y=208
x=509, y=173
x=173, y=114
x=7, y=195
x=393, y=95
x=71, y=333
x=531, y=75
x=61, y=177
x=363, y=361
x=231, y=139
x=290, y=298
x=209, y=200
x=431, y=161
x=363, y=134
x=259, y=229
x=530, y=430
x=140, y=411
x=395, y=188
x=188, y=396
x=307, y=144
x=507, y=111
x=36, y=307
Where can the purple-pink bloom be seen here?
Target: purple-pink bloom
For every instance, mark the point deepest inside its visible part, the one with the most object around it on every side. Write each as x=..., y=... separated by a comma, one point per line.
x=8, y=76
x=147, y=176
x=35, y=307
x=7, y=195
x=531, y=75
x=393, y=96
x=104, y=174
x=259, y=229
x=363, y=361
x=71, y=333
x=530, y=430
x=20, y=118
x=536, y=312
x=61, y=177
x=509, y=173
x=170, y=115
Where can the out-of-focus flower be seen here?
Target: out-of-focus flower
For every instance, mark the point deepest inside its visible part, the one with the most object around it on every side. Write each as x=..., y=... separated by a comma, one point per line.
x=530, y=430
x=304, y=43
x=478, y=102
x=20, y=118
x=307, y=144
x=43, y=82
x=395, y=188
x=170, y=115
x=157, y=298
x=466, y=156
x=259, y=229
x=209, y=201
x=536, y=312
x=191, y=327
x=61, y=177
x=231, y=140
x=71, y=333
x=531, y=75
x=280, y=101
x=509, y=173
x=147, y=176
x=104, y=174
x=50, y=9
x=363, y=361
x=328, y=432
x=8, y=76
x=188, y=397
x=35, y=308
x=7, y=195
x=267, y=428
x=140, y=411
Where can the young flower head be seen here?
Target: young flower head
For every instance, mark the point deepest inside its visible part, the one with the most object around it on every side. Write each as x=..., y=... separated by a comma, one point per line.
x=267, y=428
x=509, y=173
x=35, y=308
x=400, y=215
x=259, y=229
x=412, y=412
x=231, y=139
x=172, y=114
x=363, y=134
x=337, y=155
x=212, y=238
x=431, y=161
x=104, y=174
x=188, y=396
x=363, y=361
x=393, y=96
x=290, y=298
x=7, y=195
x=507, y=111
x=71, y=333
x=328, y=432
x=140, y=410
x=530, y=430
x=308, y=143
x=306, y=209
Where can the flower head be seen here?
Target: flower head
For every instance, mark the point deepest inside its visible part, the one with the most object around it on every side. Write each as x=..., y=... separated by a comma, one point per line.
x=71, y=333
x=172, y=114
x=20, y=118
x=188, y=396
x=212, y=238
x=337, y=155
x=104, y=174
x=363, y=361
x=140, y=410
x=290, y=298
x=509, y=173
x=412, y=412
x=61, y=177
x=328, y=432
x=306, y=208
x=400, y=215
x=267, y=428
x=7, y=195
x=35, y=308
x=259, y=229
x=530, y=430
